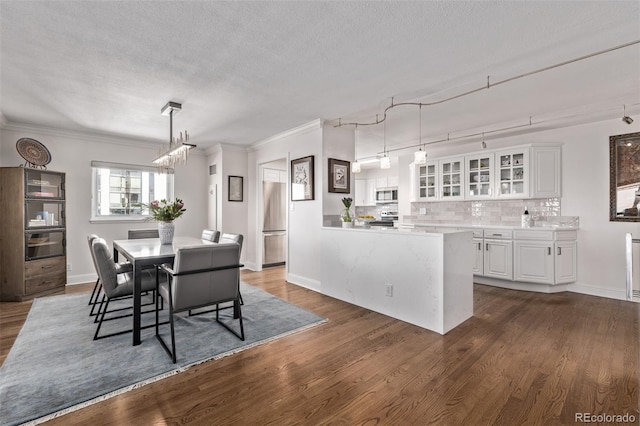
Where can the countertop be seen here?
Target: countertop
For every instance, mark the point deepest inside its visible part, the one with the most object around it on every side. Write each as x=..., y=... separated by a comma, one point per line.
x=545, y=227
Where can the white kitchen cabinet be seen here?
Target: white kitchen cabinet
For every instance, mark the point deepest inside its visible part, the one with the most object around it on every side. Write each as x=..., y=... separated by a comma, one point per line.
x=426, y=181
x=546, y=172
x=387, y=182
x=534, y=261
x=498, y=259
x=365, y=194
x=478, y=262
x=282, y=176
x=450, y=179
x=479, y=180
x=545, y=256
x=566, y=260
x=512, y=173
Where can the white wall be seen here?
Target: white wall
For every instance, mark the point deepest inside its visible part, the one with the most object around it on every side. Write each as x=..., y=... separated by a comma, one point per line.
x=337, y=143
x=585, y=193
x=72, y=153
x=234, y=214
x=304, y=218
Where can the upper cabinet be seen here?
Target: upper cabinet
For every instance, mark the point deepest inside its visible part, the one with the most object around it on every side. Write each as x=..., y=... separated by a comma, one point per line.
x=438, y=180
x=528, y=171
x=480, y=180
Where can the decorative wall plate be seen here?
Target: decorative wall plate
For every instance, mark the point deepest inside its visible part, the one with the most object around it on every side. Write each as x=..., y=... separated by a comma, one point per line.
x=34, y=153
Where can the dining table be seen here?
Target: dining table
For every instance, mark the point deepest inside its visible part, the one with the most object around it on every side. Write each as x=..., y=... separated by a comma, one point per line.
x=144, y=252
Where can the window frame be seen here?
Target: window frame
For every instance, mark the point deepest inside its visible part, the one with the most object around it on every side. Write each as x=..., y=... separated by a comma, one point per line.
x=120, y=218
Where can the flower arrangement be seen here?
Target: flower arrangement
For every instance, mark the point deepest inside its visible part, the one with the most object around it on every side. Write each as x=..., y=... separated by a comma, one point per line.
x=347, y=216
x=165, y=211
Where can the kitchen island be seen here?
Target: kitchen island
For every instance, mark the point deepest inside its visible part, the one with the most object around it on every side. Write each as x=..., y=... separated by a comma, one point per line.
x=423, y=278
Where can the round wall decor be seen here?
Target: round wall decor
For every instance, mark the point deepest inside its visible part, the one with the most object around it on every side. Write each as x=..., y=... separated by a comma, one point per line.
x=34, y=153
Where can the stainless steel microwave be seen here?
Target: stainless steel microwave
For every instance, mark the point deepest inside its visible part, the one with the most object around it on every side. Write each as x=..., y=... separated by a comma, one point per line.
x=387, y=195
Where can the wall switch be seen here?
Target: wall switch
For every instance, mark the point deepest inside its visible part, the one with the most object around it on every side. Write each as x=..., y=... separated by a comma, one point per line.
x=388, y=290
x=69, y=267
x=423, y=210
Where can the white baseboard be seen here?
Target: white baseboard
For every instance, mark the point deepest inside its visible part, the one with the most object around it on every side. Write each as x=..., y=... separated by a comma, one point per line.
x=252, y=266
x=599, y=291
x=81, y=279
x=518, y=285
x=304, y=282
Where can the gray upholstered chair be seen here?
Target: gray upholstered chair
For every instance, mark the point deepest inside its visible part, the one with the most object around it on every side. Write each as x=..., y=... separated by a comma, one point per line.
x=233, y=238
x=201, y=276
x=120, y=268
x=114, y=284
x=210, y=235
x=135, y=234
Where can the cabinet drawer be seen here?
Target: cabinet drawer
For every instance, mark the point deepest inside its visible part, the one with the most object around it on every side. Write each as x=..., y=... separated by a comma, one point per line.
x=50, y=265
x=45, y=282
x=498, y=234
x=533, y=235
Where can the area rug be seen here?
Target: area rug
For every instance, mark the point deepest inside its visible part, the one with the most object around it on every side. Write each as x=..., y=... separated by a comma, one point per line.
x=54, y=366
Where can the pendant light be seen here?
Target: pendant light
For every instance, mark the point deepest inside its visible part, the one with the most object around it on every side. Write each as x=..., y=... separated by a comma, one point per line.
x=385, y=162
x=420, y=156
x=356, y=167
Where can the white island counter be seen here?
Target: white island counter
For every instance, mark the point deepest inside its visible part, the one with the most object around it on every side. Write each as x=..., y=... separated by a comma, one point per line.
x=423, y=278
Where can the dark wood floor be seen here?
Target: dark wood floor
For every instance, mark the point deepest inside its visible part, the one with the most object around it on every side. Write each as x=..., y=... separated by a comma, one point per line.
x=524, y=358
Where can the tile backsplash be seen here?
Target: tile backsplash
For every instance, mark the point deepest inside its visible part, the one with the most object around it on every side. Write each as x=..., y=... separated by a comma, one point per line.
x=376, y=210
x=486, y=212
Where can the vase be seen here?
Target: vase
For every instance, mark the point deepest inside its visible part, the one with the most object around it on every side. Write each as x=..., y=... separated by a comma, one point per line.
x=347, y=224
x=165, y=231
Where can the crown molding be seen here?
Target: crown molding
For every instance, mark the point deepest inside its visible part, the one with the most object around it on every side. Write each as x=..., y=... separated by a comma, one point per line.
x=312, y=125
x=83, y=135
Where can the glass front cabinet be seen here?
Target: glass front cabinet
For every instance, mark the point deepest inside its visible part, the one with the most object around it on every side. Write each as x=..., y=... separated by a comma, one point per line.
x=427, y=181
x=513, y=173
x=480, y=176
x=451, y=179
x=32, y=207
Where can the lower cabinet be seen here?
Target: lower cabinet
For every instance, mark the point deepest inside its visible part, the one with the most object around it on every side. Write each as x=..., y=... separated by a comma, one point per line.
x=478, y=264
x=534, y=261
x=566, y=258
x=498, y=259
x=545, y=257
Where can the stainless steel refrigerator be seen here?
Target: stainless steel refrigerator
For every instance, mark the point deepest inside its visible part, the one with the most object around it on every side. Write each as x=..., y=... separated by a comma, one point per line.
x=274, y=227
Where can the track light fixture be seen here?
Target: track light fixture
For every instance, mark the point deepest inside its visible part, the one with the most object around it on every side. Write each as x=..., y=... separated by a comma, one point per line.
x=356, y=166
x=625, y=117
x=420, y=156
x=483, y=144
x=385, y=162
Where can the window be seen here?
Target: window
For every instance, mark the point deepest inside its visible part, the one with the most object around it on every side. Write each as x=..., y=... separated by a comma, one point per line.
x=119, y=189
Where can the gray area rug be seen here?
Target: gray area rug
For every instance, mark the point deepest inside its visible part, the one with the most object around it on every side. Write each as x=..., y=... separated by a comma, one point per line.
x=55, y=367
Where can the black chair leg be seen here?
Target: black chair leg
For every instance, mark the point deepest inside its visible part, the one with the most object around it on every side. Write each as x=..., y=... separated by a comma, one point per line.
x=93, y=293
x=95, y=336
x=236, y=310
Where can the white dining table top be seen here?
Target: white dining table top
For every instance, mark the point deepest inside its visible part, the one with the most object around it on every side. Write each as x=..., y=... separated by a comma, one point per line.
x=151, y=248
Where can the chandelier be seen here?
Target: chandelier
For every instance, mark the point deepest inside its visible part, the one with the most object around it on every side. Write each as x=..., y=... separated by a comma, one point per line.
x=178, y=149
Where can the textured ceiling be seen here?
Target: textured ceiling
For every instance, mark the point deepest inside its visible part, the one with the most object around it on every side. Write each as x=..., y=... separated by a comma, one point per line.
x=245, y=71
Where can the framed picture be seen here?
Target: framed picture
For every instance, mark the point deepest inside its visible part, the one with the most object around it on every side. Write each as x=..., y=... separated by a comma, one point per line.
x=235, y=188
x=624, y=178
x=302, y=179
x=339, y=178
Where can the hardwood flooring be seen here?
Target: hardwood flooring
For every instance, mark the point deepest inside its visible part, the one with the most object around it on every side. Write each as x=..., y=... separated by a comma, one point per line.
x=524, y=358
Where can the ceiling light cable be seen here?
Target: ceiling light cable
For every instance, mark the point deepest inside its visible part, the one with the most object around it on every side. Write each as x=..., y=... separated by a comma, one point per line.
x=489, y=84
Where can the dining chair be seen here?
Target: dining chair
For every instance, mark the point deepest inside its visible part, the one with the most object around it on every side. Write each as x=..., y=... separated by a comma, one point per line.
x=135, y=234
x=210, y=235
x=115, y=285
x=120, y=268
x=200, y=276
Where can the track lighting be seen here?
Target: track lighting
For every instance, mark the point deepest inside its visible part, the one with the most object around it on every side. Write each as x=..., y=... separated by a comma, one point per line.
x=625, y=117
x=355, y=166
x=420, y=156
x=483, y=144
x=385, y=162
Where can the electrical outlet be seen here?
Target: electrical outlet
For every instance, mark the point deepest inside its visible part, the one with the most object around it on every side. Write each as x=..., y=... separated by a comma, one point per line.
x=69, y=267
x=423, y=210
x=388, y=290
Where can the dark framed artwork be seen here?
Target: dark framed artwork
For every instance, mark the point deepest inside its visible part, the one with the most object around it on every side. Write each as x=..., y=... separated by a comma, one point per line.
x=302, y=179
x=624, y=178
x=235, y=188
x=339, y=176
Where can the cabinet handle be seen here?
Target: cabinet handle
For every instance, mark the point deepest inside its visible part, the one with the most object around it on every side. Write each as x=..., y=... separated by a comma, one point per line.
x=487, y=247
x=47, y=267
x=497, y=235
x=480, y=246
x=549, y=251
x=47, y=282
x=559, y=251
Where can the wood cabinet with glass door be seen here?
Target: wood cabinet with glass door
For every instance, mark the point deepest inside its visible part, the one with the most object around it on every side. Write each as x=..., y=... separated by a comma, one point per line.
x=32, y=233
